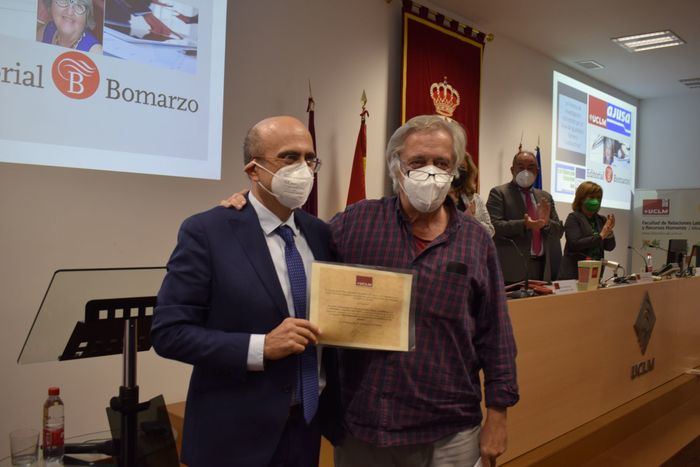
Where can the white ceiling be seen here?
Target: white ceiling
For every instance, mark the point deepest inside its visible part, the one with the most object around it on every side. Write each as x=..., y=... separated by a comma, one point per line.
x=568, y=31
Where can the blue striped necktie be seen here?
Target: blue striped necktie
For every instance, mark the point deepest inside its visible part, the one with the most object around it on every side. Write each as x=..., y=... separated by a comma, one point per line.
x=308, y=366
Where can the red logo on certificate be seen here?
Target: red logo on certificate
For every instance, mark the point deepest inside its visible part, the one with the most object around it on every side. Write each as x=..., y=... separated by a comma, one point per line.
x=363, y=281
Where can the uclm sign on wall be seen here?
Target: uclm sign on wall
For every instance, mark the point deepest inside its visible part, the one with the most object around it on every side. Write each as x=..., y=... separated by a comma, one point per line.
x=656, y=207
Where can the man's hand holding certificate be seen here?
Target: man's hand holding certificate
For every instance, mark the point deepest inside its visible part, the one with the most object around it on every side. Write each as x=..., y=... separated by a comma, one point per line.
x=365, y=308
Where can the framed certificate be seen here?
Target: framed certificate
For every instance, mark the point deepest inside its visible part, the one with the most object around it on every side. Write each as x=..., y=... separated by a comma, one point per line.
x=362, y=307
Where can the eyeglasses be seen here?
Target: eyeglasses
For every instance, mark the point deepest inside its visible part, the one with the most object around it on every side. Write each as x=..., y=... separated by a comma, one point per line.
x=421, y=176
x=78, y=8
x=314, y=163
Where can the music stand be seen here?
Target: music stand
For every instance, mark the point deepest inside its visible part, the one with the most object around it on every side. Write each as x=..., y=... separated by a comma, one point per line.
x=89, y=313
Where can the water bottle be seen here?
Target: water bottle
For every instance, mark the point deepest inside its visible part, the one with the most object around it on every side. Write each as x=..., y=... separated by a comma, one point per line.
x=649, y=264
x=53, y=426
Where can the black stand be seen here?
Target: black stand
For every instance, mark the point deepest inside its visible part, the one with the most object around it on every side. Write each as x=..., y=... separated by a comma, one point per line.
x=111, y=327
x=525, y=291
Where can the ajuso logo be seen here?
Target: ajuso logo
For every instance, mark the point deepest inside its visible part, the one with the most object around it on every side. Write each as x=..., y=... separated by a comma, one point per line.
x=75, y=75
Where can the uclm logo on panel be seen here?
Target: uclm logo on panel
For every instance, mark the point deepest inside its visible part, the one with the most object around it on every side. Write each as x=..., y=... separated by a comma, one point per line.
x=75, y=75
x=656, y=207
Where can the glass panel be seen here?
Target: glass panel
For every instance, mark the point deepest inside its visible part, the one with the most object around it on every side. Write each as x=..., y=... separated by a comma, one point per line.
x=65, y=304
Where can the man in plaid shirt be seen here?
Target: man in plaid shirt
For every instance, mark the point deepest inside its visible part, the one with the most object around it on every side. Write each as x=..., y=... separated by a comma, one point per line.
x=422, y=408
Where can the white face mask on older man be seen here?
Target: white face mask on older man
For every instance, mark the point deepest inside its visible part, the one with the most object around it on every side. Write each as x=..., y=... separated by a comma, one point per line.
x=426, y=194
x=525, y=179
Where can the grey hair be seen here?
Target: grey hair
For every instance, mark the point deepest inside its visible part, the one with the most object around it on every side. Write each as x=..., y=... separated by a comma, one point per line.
x=425, y=123
x=89, y=11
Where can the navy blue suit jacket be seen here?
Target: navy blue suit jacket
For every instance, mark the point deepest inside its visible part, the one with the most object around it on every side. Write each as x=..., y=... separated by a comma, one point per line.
x=221, y=287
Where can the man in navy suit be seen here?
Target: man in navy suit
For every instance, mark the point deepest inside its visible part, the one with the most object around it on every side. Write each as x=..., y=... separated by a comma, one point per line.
x=233, y=304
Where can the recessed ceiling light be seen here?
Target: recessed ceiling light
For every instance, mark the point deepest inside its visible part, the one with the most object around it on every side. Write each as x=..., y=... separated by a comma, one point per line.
x=589, y=64
x=648, y=41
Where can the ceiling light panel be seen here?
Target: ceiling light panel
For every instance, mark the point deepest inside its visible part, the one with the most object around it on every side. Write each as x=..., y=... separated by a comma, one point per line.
x=649, y=41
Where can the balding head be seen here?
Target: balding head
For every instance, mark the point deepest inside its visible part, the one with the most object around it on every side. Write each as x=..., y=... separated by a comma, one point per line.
x=272, y=130
x=524, y=157
x=524, y=160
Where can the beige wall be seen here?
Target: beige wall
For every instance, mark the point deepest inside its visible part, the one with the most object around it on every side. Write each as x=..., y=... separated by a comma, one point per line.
x=516, y=99
x=64, y=218
x=668, y=137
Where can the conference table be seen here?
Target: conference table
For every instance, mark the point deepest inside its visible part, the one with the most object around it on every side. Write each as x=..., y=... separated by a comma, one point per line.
x=95, y=437
x=581, y=367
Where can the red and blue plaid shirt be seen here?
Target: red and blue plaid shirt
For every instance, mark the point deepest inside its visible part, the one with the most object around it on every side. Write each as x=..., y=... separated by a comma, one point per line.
x=462, y=326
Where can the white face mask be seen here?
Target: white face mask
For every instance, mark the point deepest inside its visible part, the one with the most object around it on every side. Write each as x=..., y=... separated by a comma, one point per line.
x=427, y=195
x=525, y=179
x=291, y=184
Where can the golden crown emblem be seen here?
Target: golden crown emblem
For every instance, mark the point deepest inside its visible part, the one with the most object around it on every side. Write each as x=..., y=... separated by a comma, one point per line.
x=445, y=98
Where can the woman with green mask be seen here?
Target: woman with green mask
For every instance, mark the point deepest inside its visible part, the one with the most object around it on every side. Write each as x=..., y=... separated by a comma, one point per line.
x=588, y=234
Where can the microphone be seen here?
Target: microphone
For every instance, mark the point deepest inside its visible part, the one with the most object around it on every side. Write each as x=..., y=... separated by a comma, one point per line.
x=644, y=259
x=612, y=264
x=652, y=245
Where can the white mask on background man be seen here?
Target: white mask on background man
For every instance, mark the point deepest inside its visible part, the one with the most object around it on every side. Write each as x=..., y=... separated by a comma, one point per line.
x=291, y=184
x=426, y=195
x=525, y=179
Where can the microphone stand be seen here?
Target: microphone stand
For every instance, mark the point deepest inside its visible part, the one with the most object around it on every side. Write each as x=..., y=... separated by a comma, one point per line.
x=644, y=259
x=525, y=291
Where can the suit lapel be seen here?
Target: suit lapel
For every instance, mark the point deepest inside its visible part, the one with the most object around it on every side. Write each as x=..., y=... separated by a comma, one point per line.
x=247, y=230
x=517, y=195
x=537, y=194
x=311, y=235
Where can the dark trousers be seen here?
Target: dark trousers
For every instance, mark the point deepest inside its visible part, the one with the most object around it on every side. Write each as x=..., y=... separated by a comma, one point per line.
x=300, y=443
x=536, y=266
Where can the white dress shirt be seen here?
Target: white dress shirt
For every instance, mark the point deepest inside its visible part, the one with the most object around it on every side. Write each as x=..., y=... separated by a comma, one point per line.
x=269, y=223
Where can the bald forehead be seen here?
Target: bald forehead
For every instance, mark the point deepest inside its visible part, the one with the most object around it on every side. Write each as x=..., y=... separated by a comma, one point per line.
x=274, y=125
x=524, y=158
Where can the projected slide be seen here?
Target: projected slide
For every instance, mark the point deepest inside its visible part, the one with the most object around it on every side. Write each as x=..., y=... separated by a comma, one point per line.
x=593, y=138
x=121, y=85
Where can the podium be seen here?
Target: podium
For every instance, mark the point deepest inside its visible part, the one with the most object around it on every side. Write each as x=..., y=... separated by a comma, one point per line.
x=89, y=313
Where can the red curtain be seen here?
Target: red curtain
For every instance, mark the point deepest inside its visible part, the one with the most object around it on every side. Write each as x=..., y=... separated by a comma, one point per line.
x=433, y=54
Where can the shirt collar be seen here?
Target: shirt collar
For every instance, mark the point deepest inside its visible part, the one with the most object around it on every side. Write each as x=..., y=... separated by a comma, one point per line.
x=530, y=189
x=453, y=223
x=268, y=220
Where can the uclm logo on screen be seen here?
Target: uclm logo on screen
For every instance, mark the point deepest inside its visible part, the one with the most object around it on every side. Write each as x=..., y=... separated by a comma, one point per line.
x=656, y=207
x=609, y=116
x=597, y=111
x=75, y=75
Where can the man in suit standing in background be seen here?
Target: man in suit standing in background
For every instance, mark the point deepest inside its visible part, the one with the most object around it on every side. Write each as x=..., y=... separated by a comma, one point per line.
x=526, y=224
x=233, y=304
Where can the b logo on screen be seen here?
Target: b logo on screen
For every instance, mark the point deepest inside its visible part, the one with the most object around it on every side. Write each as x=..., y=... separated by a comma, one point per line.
x=656, y=207
x=75, y=75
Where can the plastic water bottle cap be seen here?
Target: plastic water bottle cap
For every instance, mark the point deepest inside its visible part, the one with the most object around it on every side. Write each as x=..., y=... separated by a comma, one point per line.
x=54, y=391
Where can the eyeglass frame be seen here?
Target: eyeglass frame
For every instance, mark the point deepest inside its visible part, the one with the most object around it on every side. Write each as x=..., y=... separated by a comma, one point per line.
x=427, y=175
x=74, y=5
x=292, y=157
